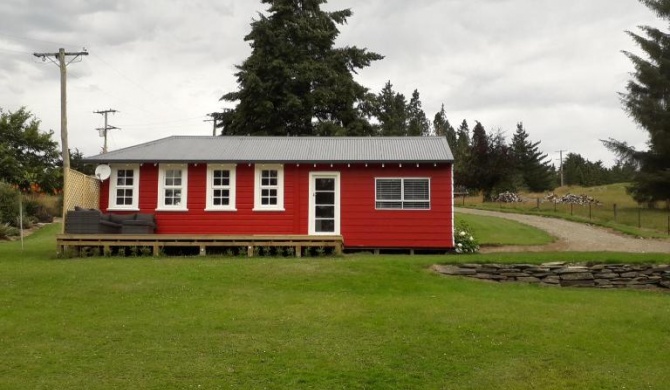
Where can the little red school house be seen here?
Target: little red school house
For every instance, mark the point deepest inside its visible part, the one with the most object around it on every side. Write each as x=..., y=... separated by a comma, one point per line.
x=376, y=192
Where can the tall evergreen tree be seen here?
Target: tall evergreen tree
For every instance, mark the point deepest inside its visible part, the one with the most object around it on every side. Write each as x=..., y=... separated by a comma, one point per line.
x=461, y=152
x=390, y=109
x=295, y=81
x=581, y=172
x=489, y=162
x=532, y=168
x=647, y=101
x=443, y=128
x=417, y=122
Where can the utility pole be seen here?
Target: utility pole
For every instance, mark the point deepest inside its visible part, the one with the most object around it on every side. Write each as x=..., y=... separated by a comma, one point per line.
x=214, y=121
x=103, y=131
x=60, y=62
x=561, y=169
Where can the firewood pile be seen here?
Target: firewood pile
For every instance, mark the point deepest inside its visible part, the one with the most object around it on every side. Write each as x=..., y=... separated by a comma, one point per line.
x=507, y=197
x=572, y=199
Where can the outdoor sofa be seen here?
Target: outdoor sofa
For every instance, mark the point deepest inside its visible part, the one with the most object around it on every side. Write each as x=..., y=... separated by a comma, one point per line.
x=92, y=221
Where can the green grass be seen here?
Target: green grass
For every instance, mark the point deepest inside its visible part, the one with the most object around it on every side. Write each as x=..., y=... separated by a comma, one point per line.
x=629, y=217
x=498, y=231
x=361, y=322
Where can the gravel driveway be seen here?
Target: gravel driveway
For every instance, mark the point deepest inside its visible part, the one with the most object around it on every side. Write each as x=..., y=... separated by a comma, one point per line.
x=572, y=236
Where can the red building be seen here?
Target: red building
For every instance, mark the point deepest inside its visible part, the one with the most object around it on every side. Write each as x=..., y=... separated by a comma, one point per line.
x=376, y=192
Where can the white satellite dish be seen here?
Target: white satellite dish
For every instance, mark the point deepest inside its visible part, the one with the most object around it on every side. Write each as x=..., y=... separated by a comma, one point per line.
x=102, y=172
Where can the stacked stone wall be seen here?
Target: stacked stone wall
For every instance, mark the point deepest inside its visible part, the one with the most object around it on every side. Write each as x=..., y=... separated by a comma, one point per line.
x=639, y=276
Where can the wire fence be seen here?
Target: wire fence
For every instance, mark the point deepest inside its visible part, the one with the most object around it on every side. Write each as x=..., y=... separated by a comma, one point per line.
x=654, y=219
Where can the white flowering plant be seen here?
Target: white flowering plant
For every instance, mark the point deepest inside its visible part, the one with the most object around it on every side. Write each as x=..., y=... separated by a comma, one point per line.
x=464, y=239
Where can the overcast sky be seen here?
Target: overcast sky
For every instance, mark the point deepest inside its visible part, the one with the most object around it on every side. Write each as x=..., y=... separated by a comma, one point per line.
x=554, y=65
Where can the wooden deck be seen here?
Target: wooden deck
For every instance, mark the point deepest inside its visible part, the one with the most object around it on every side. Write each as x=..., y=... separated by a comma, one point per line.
x=106, y=242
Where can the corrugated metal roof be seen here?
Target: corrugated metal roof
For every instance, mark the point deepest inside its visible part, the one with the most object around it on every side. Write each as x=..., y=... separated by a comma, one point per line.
x=283, y=149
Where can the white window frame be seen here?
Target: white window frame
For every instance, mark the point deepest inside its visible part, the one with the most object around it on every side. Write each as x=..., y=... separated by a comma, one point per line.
x=258, y=187
x=231, y=187
x=113, y=187
x=402, y=199
x=162, y=169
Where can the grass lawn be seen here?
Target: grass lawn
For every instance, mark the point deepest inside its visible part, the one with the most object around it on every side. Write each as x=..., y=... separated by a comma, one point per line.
x=361, y=322
x=499, y=231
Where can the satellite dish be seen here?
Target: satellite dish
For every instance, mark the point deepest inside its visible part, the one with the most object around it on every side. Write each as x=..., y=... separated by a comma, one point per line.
x=102, y=172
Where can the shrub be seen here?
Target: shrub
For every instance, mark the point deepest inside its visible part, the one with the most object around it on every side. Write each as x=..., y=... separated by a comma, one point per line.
x=9, y=204
x=41, y=207
x=7, y=231
x=465, y=241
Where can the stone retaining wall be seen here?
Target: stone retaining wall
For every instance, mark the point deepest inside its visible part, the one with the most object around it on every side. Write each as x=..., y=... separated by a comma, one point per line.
x=567, y=275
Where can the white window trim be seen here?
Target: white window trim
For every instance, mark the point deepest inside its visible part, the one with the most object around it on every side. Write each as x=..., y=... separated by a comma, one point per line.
x=112, y=206
x=210, y=188
x=161, y=187
x=402, y=193
x=258, y=206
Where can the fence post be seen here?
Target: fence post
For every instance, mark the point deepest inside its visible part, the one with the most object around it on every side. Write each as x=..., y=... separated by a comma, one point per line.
x=615, y=212
x=538, y=203
x=639, y=217
x=555, y=205
x=571, y=207
x=589, y=210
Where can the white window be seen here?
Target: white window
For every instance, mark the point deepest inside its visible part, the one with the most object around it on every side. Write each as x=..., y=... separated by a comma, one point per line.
x=173, y=187
x=124, y=188
x=402, y=194
x=269, y=188
x=221, y=187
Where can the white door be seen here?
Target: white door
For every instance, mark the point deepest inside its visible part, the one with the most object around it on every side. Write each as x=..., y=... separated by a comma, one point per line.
x=324, y=203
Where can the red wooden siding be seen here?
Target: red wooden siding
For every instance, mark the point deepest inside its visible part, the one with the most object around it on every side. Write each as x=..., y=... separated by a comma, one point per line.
x=361, y=225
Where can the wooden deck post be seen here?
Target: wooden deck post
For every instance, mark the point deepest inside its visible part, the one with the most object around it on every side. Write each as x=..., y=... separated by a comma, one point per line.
x=250, y=251
x=298, y=251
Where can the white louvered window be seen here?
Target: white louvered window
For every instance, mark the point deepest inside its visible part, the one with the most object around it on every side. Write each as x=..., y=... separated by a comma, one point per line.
x=402, y=194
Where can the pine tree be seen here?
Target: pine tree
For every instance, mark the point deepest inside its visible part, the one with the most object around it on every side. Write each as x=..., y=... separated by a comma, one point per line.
x=417, y=122
x=443, y=128
x=390, y=109
x=295, y=81
x=647, y=101
x=532, y=168
x=461, y=150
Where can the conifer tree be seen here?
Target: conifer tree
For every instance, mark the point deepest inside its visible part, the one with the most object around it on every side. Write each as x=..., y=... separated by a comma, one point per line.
x=461, y=152
x=390, y=109
x=296, y=81
x=532, y=168
x=647, y=101
x=417, y=122
x=443, y=128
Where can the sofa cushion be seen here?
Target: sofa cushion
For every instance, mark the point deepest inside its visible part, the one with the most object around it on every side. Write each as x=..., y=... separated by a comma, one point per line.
x=120, y=218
